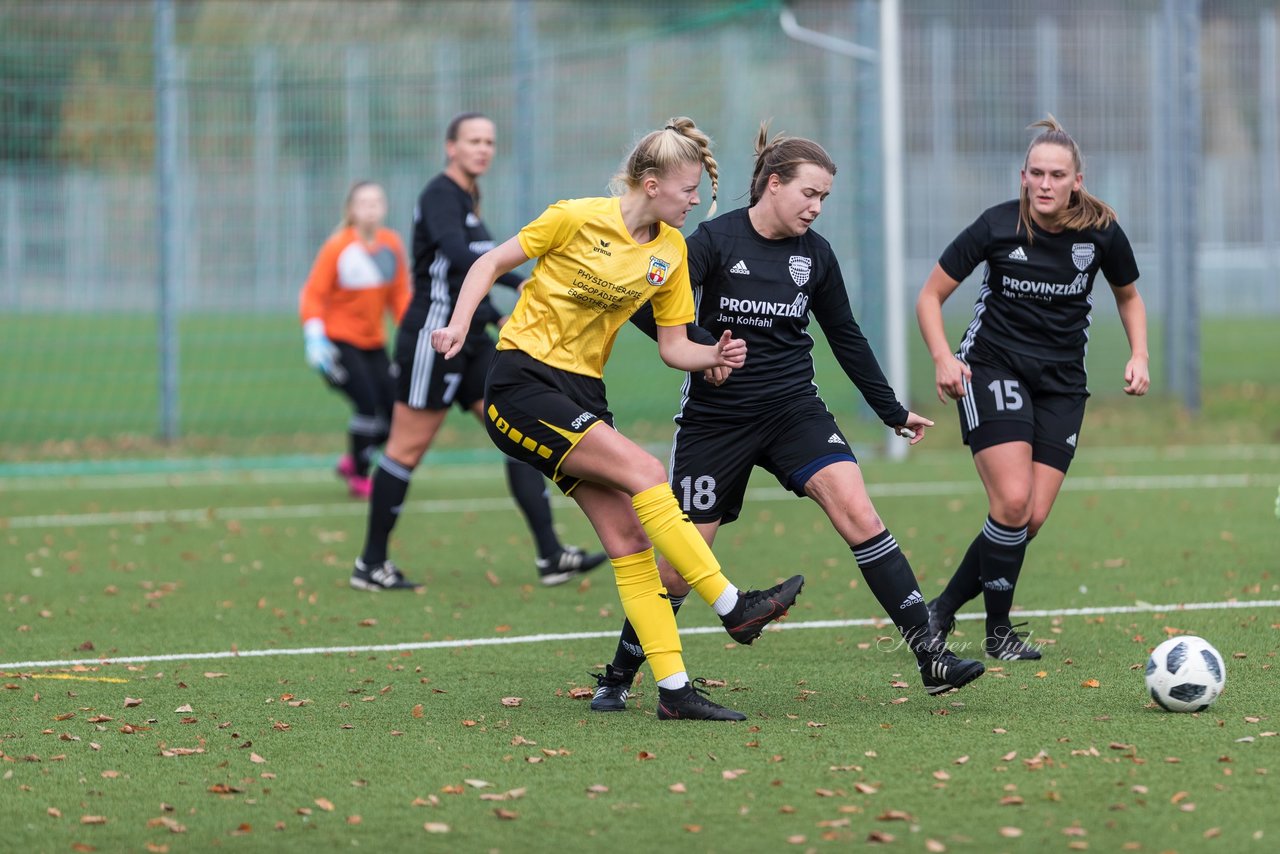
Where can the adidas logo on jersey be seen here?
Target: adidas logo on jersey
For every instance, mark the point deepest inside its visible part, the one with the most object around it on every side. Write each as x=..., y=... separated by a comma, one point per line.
x=1018, y=255
x=998, y=584
x=835, y=439
x=1071, y=440
x=740, y=269
x=914, y=599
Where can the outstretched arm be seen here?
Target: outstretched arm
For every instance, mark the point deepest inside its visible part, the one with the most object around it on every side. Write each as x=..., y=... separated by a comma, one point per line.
x=475, y=287
x=679, y=352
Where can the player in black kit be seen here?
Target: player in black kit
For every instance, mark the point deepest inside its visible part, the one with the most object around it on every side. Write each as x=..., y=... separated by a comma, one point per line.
x=448, y=236
x=1019, y=376
x=759, y=271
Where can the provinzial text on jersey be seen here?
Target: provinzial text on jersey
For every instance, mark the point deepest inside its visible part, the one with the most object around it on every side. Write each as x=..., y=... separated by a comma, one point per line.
x=1045, y=289
x=798, y=307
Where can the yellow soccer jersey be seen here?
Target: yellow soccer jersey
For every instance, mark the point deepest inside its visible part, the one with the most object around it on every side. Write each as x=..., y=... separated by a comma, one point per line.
x=591, y=276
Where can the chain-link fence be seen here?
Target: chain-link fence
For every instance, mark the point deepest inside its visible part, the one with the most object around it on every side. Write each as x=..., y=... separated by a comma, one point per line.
x=278, y=106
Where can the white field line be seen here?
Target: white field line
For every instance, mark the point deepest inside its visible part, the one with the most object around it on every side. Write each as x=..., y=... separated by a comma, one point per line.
x=480, y=505
x=493, y=471
x=1136, y=608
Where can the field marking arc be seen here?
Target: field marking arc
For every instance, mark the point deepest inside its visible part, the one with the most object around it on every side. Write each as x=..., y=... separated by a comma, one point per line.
x=1137, y=608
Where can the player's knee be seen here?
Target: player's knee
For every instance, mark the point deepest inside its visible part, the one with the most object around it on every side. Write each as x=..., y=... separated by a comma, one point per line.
x=864, y=522
x=650, y=471
x=1012, y=508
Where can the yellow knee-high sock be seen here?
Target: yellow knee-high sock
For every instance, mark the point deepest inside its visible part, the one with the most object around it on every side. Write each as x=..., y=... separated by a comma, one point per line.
x=674, y=535
x=646, y=606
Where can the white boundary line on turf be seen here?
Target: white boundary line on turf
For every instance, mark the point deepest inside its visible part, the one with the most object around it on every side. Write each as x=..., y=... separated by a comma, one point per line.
x=273, y=476
x=1138, y=608
x=480, y=505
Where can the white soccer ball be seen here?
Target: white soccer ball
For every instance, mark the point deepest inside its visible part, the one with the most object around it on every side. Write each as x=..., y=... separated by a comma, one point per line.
x=1185, y=674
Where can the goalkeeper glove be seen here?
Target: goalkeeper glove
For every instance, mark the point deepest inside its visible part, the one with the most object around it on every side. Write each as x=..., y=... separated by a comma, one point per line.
x=321, y=354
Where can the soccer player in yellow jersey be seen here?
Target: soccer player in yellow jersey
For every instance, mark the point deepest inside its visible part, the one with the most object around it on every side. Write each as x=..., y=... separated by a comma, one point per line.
x=599, y=260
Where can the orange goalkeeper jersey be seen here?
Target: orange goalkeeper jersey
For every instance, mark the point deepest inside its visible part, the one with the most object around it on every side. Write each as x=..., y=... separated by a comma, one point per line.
x=352, y=283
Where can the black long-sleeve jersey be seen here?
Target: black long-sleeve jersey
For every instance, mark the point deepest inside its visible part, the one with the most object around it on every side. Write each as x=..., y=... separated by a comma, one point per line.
x=1036, y=295
x=448, y=237
x=764, y=291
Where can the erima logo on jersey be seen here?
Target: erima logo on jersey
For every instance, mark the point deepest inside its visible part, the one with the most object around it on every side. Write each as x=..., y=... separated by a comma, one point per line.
x=835, y=439
x=1018, y=254
x=740, y=269
x=472, y=220
x=1071, y=440
x=602, y=248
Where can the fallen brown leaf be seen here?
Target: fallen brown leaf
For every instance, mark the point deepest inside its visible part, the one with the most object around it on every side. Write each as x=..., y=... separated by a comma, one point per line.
x=506, y=814
x=324, y=804
x=93, y=819
x=130, y=702
x=435, y=827
x=417, y=711
x=512, y=702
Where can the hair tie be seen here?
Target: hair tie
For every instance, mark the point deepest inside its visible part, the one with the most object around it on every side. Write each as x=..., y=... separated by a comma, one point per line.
x=670, y=127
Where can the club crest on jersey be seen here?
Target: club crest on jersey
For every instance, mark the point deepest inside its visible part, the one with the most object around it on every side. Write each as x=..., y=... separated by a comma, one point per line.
x=799, y=267
x=1082, y=255
x=657, y=270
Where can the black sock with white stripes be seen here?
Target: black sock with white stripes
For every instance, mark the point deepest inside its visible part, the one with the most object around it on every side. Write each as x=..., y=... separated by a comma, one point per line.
x=630, y=654
x=893, y=583
x=966, y=582
x=529, y=488
x=390, y=485
x=365, y=435
x=1001, y=550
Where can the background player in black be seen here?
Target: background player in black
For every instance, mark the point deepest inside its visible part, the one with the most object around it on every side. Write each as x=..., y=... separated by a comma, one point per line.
x=1019, y=375
x=448, y=236
x=759, y=272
